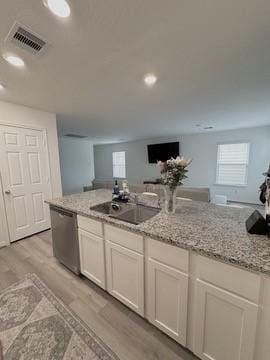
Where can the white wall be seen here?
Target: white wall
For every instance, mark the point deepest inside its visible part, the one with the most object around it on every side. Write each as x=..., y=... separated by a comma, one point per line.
x=77, y=164
x=12, y=114
x=138, y=168
x=203, y=149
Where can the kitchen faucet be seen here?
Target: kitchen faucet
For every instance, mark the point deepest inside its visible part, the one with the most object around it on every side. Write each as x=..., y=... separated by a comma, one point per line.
x=134, y=197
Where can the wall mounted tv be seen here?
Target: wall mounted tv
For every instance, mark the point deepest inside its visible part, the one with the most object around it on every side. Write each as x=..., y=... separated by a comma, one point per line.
x=163, y=151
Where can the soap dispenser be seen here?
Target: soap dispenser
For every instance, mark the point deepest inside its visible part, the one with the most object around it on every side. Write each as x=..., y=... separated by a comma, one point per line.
x=116, y=188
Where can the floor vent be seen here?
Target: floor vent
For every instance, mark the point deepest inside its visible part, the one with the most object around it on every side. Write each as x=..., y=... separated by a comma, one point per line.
x=26, y=39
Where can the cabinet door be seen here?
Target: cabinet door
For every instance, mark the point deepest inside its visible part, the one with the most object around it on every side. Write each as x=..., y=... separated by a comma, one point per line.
x=225, y=324
x=167, y=299
x=125, y=276
x=92, y=257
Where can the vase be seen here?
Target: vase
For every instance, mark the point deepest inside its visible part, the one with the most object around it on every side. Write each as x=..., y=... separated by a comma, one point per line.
x=170, y=199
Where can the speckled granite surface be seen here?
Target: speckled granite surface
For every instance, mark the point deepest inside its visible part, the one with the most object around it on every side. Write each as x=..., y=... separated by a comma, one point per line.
x=211, y=230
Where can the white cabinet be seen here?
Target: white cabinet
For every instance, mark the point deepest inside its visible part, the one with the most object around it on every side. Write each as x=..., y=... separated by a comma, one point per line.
x=167, y=289
x=225, y=324
x=225, y=311
x=125, y=276
x=92, y=250
x=178, y=291
x=125, y=267
x=263, y=329
x=90, y=225
x=92, y=257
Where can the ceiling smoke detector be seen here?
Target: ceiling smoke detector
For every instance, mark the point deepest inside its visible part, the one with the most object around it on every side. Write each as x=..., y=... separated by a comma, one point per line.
x=26, y=39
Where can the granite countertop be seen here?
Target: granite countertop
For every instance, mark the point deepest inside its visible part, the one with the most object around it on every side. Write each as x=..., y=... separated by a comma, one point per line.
x=215, y=231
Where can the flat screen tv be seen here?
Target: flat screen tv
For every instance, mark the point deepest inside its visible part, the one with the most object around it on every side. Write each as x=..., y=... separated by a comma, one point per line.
x=162, y=152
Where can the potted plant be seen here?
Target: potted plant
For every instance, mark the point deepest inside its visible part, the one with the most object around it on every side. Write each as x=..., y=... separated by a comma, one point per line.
x=265, y=193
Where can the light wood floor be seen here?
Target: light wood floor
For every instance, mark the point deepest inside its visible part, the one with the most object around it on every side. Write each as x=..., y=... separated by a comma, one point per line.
x=127, y=334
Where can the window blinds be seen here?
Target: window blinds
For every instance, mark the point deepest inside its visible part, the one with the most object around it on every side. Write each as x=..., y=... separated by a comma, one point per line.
x=119, y=164
x=232, y=164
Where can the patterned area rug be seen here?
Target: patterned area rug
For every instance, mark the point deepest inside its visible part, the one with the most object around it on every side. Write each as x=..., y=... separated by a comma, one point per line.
x=35, y=325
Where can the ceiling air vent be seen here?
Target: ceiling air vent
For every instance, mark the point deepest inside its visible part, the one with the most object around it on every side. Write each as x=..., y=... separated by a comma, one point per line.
x=26, y=39
x=76, y=136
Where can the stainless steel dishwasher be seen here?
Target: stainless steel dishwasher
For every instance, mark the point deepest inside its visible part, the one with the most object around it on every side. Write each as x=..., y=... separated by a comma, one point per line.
x=65, y=238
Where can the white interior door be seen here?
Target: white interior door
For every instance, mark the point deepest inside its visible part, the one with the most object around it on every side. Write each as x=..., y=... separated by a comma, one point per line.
x=26, y=182
x=4, y=236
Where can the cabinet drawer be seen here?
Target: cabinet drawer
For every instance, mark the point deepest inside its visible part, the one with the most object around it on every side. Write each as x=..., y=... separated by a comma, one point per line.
x=125, y=238
x=168, y=254
x=229, y=277
x=90, y=225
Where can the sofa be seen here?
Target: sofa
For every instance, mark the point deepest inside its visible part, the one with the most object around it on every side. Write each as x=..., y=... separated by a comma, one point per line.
x=192, y=193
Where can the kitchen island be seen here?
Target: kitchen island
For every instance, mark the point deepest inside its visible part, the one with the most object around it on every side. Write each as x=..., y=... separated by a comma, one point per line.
x=211, y=230
x=197, y=275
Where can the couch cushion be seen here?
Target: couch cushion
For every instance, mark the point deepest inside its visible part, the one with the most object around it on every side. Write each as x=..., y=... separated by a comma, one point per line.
x=197, y=194
x=109, y=184
x=137, y=188
x=103, y=184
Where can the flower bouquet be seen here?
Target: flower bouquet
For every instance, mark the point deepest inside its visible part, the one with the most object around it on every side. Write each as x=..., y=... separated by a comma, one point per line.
x=265, y=192
x=173, y=171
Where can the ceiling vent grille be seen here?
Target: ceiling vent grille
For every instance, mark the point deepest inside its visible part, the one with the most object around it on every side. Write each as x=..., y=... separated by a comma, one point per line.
x=26, y=39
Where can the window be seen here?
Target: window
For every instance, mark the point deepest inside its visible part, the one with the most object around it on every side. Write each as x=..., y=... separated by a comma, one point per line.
x=119, y=164
x=232, y=164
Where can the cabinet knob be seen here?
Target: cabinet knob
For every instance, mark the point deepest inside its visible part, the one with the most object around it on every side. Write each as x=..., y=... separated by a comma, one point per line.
x=7, y=192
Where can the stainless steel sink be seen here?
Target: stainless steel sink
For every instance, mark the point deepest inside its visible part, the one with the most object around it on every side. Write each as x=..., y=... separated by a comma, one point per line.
x=111, y=208
x=138, y=214
x=129, y=212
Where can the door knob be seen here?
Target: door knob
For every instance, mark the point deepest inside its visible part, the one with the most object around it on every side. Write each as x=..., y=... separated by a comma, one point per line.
x=7, y=192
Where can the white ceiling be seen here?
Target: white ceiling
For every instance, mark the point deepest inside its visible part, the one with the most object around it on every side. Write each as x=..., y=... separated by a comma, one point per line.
x=212, y=59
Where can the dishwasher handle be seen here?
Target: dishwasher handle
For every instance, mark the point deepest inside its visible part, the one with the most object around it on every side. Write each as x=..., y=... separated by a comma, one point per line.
x=61, y=212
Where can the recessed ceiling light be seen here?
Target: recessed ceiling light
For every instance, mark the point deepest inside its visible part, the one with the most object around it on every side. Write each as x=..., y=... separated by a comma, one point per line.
x=150, y=79
x=59, y=7
x=14, y=60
